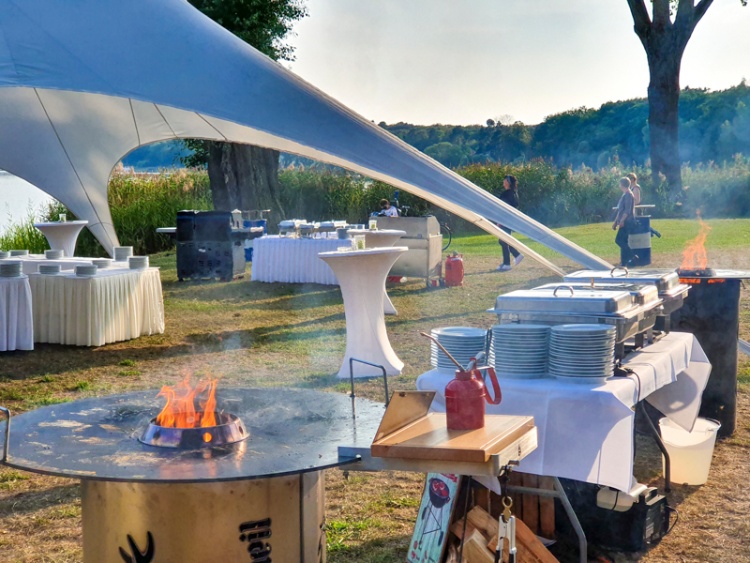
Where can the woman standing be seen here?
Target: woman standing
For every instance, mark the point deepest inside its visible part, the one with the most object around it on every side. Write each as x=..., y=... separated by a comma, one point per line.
x=509, y=196
x=625, y=210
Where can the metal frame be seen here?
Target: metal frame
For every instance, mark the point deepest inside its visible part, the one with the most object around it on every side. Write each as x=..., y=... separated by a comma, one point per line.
x=7, y=434
x=351, y=378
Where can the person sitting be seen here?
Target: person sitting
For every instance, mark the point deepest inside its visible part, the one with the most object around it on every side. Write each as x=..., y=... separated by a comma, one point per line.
x=386, y=209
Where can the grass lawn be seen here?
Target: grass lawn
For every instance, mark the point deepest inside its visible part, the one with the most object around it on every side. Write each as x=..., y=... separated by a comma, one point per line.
x=255, y=334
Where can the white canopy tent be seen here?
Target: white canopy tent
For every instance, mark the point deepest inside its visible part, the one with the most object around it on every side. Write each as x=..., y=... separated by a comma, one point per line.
x=83, y=83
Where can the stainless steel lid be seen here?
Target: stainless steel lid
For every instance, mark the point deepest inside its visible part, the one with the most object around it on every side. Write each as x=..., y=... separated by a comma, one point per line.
x=665, y=280
x=565, y=299
x=642, y=293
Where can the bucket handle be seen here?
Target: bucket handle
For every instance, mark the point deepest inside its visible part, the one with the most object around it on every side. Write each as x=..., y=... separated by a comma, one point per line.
x=7, y=434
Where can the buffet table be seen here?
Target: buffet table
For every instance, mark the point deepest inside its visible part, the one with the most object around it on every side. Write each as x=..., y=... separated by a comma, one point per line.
x=114, y=305
x=62, y=235
x=16, y=319
x=361, y=274
x=294, y=260
x=585, y=429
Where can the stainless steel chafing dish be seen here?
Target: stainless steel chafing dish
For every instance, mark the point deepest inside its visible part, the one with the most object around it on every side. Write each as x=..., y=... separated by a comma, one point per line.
x=667, y=282
x=555, y=304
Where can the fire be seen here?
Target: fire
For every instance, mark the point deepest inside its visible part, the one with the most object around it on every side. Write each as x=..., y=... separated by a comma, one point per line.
x=180, y=411
x=694, y=256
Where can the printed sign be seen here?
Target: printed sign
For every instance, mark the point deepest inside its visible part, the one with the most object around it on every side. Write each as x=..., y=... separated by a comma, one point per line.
x=431, y=528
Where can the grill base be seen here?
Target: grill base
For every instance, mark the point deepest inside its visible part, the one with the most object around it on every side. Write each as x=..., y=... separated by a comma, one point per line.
x=279, y=519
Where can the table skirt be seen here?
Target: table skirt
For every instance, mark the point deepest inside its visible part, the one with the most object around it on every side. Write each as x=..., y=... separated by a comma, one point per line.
x=294, y=260
x=110, y=307
x=16, y=317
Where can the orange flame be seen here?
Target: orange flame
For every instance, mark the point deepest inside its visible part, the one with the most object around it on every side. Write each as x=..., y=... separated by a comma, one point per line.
x=694, y=256
x=180, y=412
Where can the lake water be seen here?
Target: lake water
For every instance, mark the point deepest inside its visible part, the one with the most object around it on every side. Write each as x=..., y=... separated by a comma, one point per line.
x=18, y=199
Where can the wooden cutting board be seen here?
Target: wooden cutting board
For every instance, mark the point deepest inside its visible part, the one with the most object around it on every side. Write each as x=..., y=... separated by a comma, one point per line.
x=429, y=438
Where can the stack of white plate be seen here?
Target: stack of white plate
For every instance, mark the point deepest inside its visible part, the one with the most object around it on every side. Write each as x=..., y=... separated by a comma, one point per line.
x=10, y=269
x=49, y=269
x=101, y=262
x=122, y=253
x=19, y=252
x=582, y=352
x=54, y=254
x=138, y=262
x=4, y=253
x=86, y=270
x=462, y=342
x=519, y=350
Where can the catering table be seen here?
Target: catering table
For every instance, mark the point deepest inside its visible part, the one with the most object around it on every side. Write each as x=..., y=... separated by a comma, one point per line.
x=379, y=238
x=62, y=235
x=16, y=318
x=586, y=430
x=294, y=260
x=361, y=275
x=30, y=263
x=114, y=305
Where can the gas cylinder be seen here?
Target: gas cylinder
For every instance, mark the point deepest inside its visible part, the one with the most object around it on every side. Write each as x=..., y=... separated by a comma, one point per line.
x=465, y=397
x=454, y=270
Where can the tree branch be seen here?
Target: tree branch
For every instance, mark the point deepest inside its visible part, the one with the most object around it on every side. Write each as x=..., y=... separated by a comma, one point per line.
x=661, y=13
x=700, y=10
x=641, y=20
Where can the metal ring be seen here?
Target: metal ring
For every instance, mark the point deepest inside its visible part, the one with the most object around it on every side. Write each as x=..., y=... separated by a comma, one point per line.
x=568, y=287
x=612, y=271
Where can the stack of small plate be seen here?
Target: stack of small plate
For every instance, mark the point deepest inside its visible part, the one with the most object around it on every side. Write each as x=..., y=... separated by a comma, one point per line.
x=49, y=269
x=138, y=262
x=101, y=262
x=582, y=352
x=19, y=252
x=4, y=254
x=10, y=269
x=520, y=351
x=462, y=342
x=86, y=270
x=54, y=254
x=122, y=253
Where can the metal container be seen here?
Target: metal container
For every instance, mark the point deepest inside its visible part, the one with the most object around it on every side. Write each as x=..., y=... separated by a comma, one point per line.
x=641, y=293
x=560, y=298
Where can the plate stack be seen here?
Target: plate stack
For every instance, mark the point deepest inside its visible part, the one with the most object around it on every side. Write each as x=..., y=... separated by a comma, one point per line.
x=86, y=271
x=4, y=253
x=122, y=253
x=582, y=353
x=462, y=342
x=49, y=269
x=101, y=262
x=19, y=252
x=138, y=262
x=10, y=269
x=519, y=351
x=54, y=254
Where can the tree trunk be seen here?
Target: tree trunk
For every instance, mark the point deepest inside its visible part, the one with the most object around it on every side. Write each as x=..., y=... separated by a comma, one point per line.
x=244, y=177
x=663, y=116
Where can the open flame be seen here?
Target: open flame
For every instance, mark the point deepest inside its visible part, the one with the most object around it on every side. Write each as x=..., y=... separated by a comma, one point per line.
x=180, y=411
x=694, y=256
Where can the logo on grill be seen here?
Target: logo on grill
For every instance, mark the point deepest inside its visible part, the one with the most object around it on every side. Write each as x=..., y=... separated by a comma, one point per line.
x=136, y=555
x=254, y=532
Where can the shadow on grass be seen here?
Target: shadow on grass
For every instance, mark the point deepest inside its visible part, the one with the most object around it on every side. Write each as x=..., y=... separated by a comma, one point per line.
x=32, y=501
x=381, y=550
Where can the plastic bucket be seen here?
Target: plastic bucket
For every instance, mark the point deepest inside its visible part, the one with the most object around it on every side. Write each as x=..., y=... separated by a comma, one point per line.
x=689, y=452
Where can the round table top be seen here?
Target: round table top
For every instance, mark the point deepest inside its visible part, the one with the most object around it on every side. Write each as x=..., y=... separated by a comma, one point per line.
x=61, y=223
x=291, y=431
x=362, y=252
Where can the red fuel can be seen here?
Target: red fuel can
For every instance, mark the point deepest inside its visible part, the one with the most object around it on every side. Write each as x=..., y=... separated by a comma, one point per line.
x=454, y=270
x=465, y=397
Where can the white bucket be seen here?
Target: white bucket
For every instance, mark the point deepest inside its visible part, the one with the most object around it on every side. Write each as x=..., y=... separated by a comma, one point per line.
x=689, y=452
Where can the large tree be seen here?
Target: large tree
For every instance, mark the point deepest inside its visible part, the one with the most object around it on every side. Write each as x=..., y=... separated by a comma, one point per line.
x=245, y=176
x=664, y=36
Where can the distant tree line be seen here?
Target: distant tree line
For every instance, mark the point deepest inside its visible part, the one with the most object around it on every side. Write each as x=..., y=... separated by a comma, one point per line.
x=714, y=127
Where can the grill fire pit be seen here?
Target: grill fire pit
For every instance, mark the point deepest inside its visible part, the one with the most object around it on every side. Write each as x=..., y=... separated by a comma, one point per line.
x=251, y=491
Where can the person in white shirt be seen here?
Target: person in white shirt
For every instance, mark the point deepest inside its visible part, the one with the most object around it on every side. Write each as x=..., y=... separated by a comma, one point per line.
x=387, y=210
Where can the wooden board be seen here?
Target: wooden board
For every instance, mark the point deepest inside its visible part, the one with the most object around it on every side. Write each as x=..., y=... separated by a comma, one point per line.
x=429, y=438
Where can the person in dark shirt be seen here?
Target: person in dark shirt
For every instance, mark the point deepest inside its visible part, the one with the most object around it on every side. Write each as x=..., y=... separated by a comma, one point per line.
x=509, y=196
x=625, y=211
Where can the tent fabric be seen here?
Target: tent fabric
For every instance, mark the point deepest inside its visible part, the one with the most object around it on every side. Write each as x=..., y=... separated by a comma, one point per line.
x=83, y=83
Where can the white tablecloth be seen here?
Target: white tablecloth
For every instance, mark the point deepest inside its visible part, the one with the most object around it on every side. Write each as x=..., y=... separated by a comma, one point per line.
x=62, y=236
x=16, y=320
x=115, y=305
x=586, y=430
x=294, y=260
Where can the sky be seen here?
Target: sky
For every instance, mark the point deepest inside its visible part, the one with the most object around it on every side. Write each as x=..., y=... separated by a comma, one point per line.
x=462, y=62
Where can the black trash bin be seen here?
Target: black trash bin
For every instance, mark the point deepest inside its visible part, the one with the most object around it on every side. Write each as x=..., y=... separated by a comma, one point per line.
x=639, y=241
